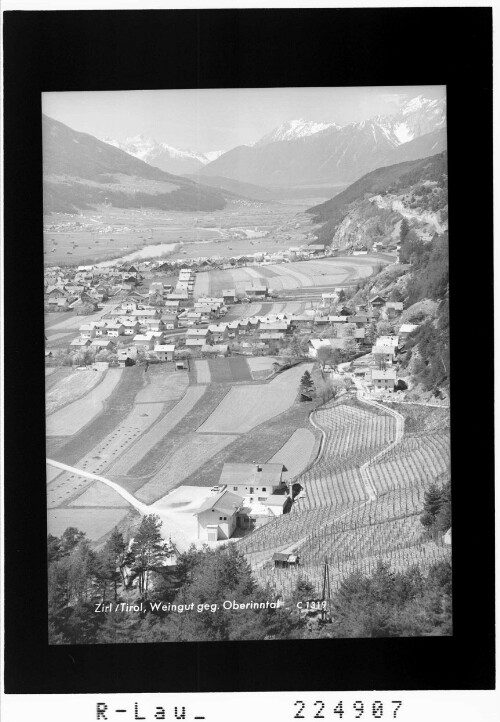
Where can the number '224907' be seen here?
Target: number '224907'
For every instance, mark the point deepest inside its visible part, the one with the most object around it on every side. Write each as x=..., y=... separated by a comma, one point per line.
x=359, y=708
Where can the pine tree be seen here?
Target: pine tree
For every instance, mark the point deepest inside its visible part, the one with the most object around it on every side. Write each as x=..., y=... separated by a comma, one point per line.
x=148, y=549
x=306, y=382
x=432, y=505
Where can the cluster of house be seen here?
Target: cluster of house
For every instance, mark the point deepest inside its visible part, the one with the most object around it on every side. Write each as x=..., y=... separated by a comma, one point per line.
x=378, y=367
x=68, y=288
x=245, y=493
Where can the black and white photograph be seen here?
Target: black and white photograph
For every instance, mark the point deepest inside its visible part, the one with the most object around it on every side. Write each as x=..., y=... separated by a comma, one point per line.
x=247, y=364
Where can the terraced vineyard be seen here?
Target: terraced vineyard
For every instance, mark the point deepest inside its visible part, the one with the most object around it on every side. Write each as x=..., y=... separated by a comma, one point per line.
x=337, y=520
x=418, y=459
x=354, y=433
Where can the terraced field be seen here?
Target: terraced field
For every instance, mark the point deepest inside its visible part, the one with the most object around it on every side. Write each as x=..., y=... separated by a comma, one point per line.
x=353, y=434
x=337, y=521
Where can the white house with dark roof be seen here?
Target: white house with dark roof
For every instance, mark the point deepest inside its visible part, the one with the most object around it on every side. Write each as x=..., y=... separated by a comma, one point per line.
x=384, y=379
x=406, y=329
x=165, y=352
x=217, y=516
x=254, y=482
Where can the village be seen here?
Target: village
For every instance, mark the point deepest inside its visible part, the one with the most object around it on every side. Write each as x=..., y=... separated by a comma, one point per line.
x=149, y=314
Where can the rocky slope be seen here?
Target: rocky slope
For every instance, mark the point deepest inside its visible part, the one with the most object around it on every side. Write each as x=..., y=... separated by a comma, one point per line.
x=372, y=209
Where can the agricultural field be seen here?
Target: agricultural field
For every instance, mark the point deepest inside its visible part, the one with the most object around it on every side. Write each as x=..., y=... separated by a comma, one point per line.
x=100, y=495
x=241, y=227
x=163, y=384
x=70, y=388
x=296, y=453
x=73, y=417
x=230, y=369
x=245, y=407
x=261, y=366
x=202, y=371
x=193, y=452
x=287, y=276
x=95, y=524
x=155, y=436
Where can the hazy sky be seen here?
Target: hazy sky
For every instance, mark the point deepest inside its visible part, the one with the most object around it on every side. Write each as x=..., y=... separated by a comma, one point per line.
x=205, y=120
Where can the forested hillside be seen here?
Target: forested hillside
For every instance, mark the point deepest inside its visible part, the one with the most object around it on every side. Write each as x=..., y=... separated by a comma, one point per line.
x=123, y=593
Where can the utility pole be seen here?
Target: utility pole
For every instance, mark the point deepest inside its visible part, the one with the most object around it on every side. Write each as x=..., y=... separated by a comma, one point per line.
x=326, y=593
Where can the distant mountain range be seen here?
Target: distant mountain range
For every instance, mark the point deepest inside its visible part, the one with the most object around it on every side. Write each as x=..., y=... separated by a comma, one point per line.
x=81, y=172
x=164, y=156
x=302, y=157
x=293, y=129
x=301, y=152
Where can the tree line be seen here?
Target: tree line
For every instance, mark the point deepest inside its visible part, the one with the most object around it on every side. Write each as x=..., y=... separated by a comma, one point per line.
x=120, y=575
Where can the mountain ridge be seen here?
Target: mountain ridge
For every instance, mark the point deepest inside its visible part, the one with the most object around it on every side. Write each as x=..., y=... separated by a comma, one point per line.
x=81, y=171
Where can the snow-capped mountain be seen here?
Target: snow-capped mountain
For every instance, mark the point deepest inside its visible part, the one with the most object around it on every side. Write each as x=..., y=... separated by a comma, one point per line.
x=164, y=156
x=417, y=117
x=327, y=152
x=293, y=129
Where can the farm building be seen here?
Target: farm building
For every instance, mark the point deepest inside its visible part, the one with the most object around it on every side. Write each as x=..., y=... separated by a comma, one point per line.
x=217, y=516
x=154, y=324
x=219, y=332
x=172, y=305
x=130, y=325
x=170, y=321
x=270, y=337
x=387, y=352
x=253, y=481
x=87, y=330
x=229, y=295
x=146, y=340
x=406, y=329
x=127, y=357
x=102, y=344
x=284, y=560
x=233, y=328
x=387, y=341
x=394, y=308
x=165, y=352
x=215, y=350
x=202, y=333
x=257, y=292
x=377, y=302
x=275, y=327
x=80, y=342
x=276, y=504
x=115, y=329
x=195, y=343
x=384, y=379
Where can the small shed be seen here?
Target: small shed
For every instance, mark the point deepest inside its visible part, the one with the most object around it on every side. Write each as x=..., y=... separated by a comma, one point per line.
x=284, y=560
